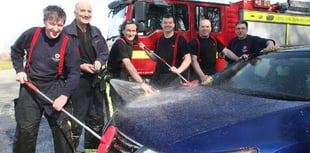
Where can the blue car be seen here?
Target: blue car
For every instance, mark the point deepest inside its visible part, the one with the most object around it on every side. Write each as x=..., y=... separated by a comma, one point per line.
x=257, y=106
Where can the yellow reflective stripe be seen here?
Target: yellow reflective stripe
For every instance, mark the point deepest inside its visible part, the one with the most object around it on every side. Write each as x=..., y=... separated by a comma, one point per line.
x=69, y=123
x=110, y=105
x=139, y=54
x=276, y=18
x=90, y=150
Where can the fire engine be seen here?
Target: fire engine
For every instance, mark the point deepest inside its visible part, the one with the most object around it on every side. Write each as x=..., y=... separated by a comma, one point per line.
x=286, y=23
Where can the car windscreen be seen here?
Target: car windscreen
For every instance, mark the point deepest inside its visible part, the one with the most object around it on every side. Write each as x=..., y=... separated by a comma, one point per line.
x=277, y=75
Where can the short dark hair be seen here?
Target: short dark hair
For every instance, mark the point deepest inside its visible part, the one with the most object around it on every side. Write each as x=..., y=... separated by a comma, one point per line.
x=242, y=22
x=53, y=12
x=168, y=15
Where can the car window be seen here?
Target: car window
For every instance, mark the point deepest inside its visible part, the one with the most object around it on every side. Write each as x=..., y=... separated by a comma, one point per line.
x=277, y=75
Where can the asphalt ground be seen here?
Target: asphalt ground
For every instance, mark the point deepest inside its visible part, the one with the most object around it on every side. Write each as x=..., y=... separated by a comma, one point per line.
x=8, y=92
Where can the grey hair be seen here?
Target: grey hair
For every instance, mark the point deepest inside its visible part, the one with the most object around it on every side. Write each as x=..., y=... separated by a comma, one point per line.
x=53, y=12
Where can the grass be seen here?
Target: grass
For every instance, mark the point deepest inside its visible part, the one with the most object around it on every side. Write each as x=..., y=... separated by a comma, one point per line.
x=5, y=65
x=5, y=61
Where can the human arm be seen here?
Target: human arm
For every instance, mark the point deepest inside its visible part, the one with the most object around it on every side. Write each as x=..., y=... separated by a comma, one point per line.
x=135, y=75
x=86, y=67
x=227, y=52
x=183, y=53
x=91, y=68
x=21, y=77
x=197, y=68
x=261, y=44
x=71, y=74
x=103, y=51
x=71, y=70
x=17, y=57
x=147, y=51
x=184, y=65
x=270, y=45
x=100, y=45
x=18, y=52
x=194, y=51
x=60, y=102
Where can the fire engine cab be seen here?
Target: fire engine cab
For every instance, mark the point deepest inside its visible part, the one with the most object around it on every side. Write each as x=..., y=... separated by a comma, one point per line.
x=286, y=23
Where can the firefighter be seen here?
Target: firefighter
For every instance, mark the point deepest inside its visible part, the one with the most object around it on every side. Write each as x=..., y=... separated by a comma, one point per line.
x=52, y=66
x=245, y=44
x=203, y=52
x=89, y=98
x=172, y=47
x=119, y=62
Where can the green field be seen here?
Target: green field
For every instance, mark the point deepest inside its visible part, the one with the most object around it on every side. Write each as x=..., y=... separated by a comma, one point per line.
x=5, y=61
x=5, y=64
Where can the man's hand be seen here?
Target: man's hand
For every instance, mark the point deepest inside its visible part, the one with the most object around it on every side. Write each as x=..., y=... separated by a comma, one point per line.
x=204, y=77
x=60, y=102
x=97, y=65
x=244, y=57
x=147, y=89
x=271, y=46
x=88, y=68
x=141, y=45
x=174, y=70
x=21, y=76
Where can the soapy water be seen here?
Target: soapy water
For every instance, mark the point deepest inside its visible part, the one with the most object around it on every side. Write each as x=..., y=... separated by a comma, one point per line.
x=156, y=104
x=164, y=97
x=127, y=90
x=132, y=93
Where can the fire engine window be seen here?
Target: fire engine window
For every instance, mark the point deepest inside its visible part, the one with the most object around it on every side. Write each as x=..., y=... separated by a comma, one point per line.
x=211, y=13
x=181, y=17
x=153, y=17
x=154, y=14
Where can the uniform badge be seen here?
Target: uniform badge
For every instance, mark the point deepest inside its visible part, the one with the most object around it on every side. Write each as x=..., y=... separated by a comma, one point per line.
x=56, y=57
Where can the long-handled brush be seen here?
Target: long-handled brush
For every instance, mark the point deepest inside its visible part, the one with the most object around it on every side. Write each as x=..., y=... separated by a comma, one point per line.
x=187, y=83
x=102, y=139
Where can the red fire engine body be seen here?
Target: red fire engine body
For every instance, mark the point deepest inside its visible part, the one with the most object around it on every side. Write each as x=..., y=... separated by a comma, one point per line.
x=285, y=23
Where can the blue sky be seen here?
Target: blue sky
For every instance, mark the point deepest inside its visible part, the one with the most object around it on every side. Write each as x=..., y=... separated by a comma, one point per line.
x=19, y=15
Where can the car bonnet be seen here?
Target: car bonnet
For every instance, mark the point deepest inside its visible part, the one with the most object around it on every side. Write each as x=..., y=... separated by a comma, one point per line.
x=177, y=114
